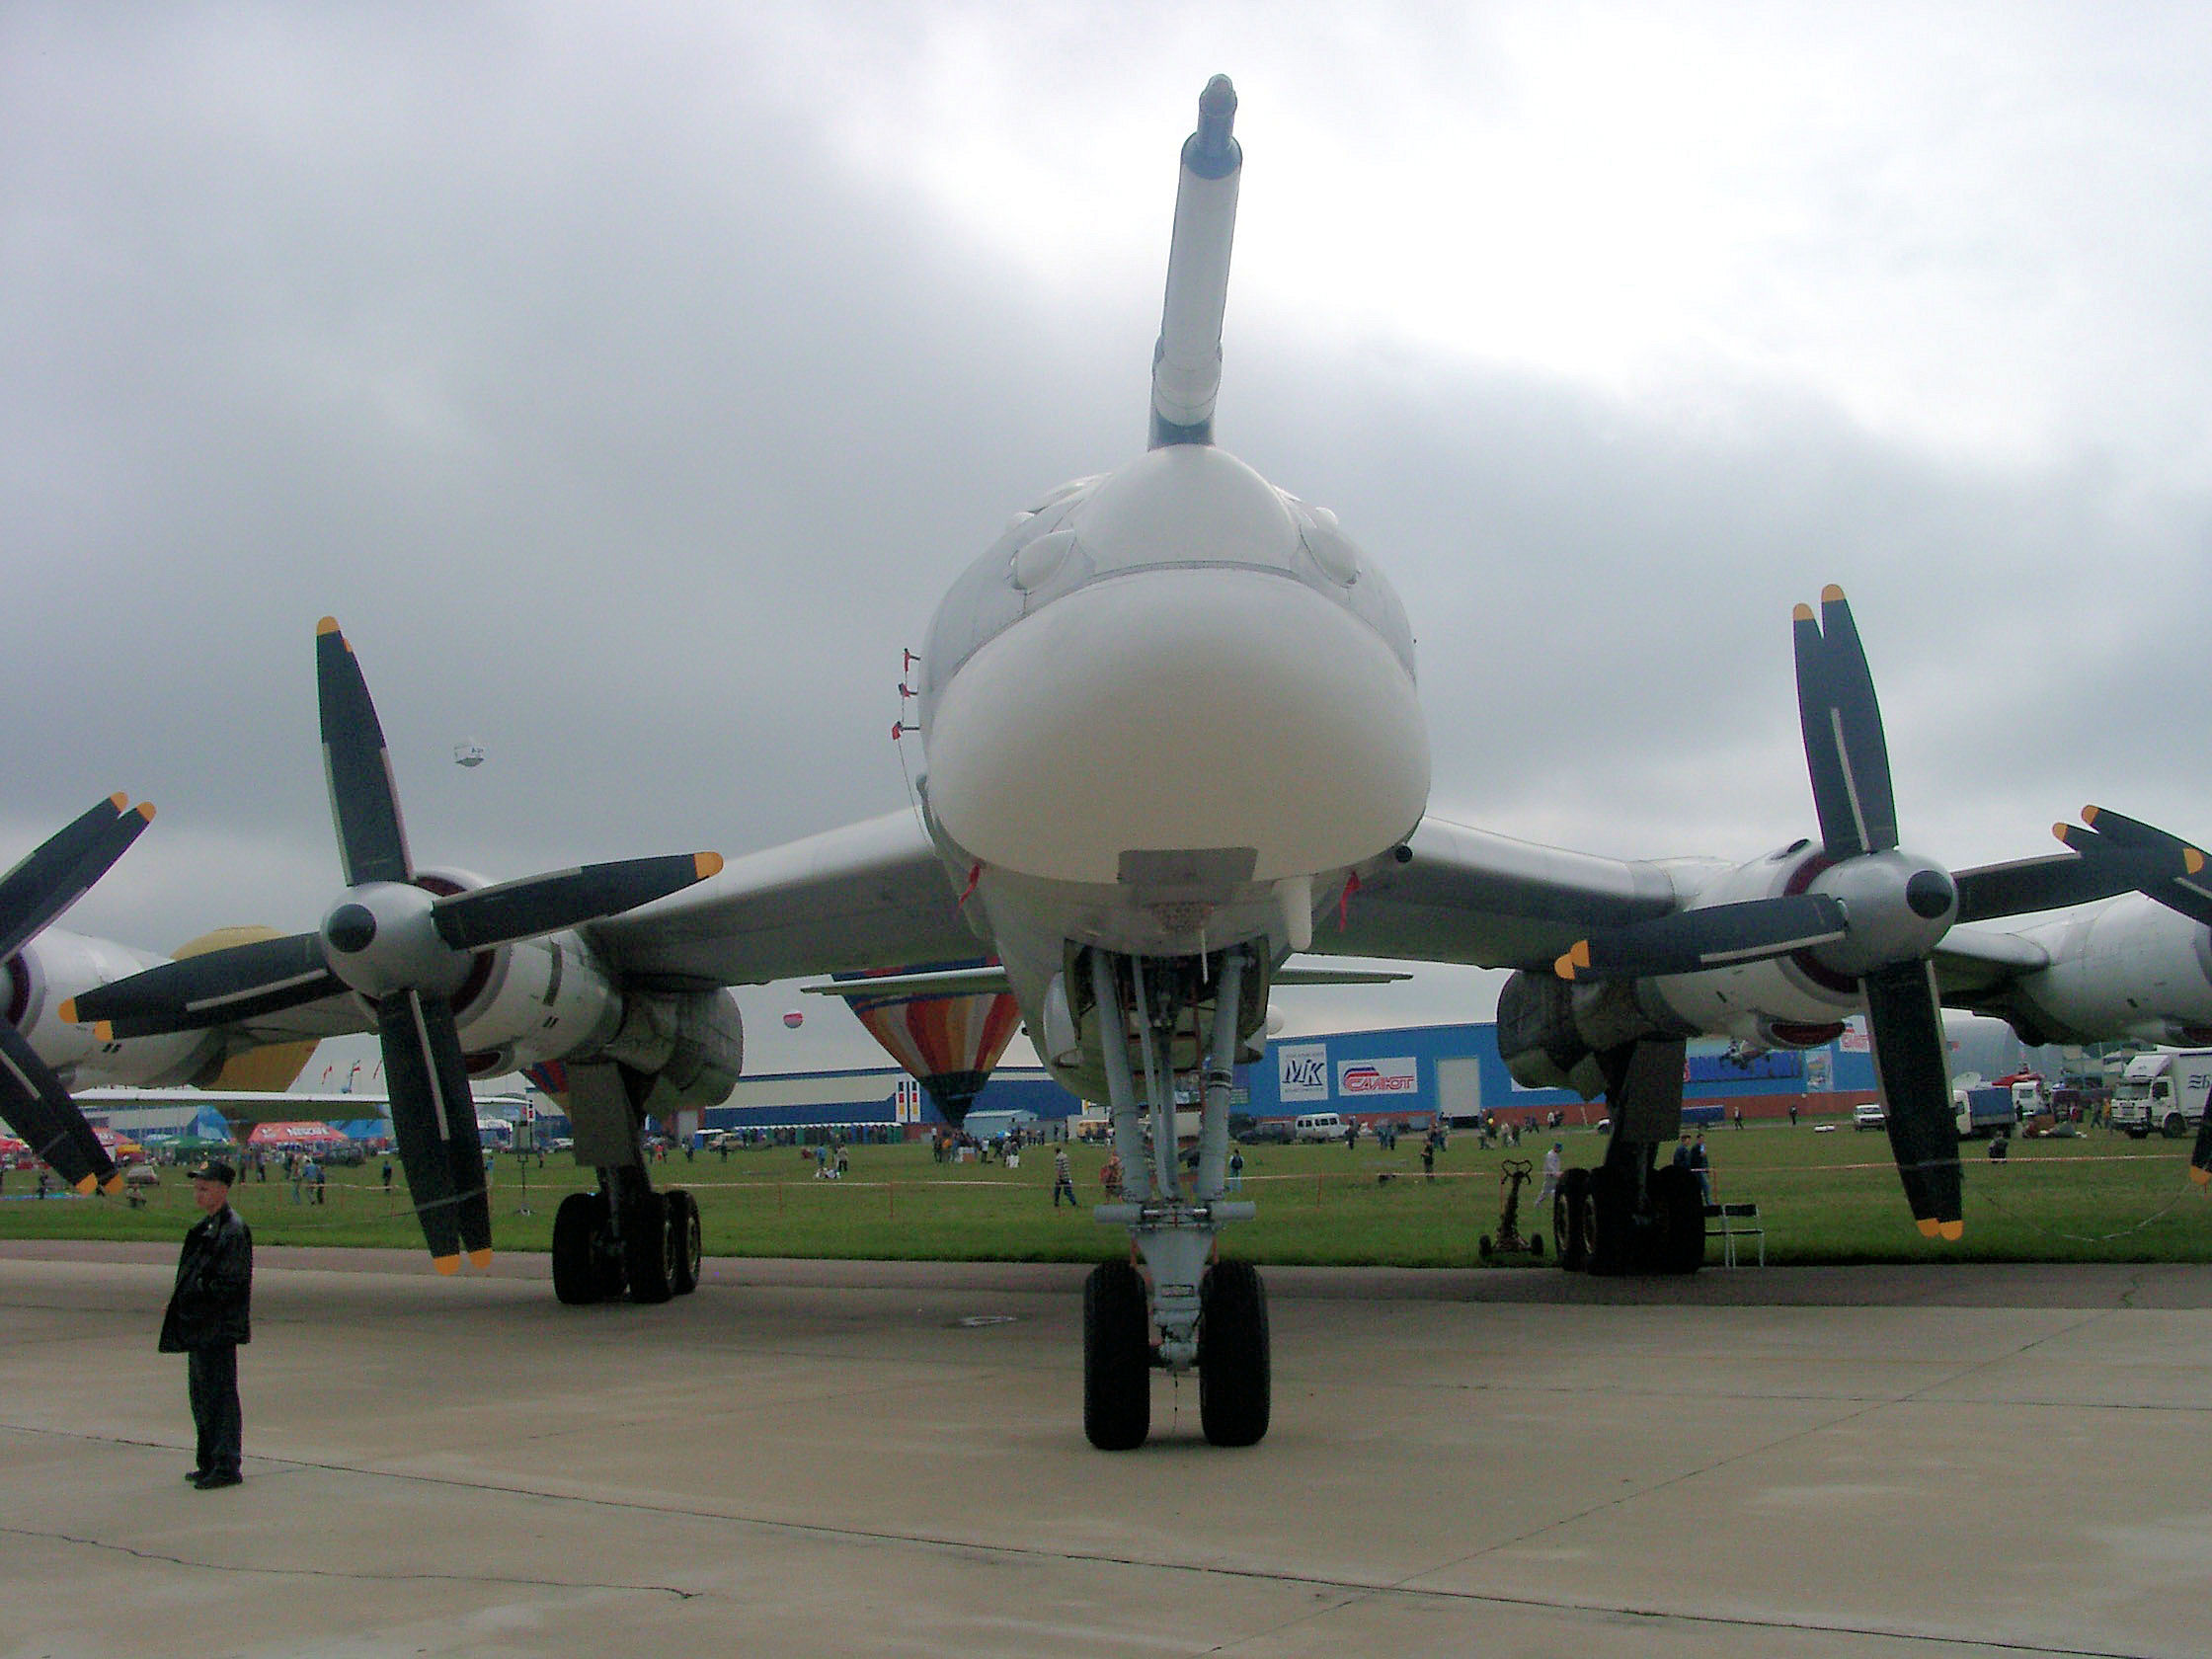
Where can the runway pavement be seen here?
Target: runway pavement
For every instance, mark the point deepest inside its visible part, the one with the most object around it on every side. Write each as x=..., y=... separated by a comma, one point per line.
x=814, y=1458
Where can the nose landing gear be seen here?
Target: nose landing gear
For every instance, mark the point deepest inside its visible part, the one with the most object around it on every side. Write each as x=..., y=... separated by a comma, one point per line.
x=1211, y=1315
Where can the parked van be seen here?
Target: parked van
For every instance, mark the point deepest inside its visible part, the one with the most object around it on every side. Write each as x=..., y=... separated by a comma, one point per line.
x=1319, y=1126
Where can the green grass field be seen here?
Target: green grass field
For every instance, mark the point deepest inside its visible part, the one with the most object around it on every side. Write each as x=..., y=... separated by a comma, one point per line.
x=1823, y=1199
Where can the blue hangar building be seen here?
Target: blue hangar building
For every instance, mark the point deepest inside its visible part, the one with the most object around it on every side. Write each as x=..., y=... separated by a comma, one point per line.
x=1404, y=1073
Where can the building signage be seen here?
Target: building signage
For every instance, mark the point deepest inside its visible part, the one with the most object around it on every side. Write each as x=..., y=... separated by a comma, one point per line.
x=1358, y=1079
x=1301, y=1071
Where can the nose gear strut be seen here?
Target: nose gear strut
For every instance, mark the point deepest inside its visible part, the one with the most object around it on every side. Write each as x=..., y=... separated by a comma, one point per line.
x=1210, y=1315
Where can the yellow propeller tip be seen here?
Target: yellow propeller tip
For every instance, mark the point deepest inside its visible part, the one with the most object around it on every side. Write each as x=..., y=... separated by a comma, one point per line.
x=2060, y=829
x=446, y=1264
x=145, y=810
x=103, y=1032
x=480, y=1258
x=327, y=625
x=2089, y=815
x=1831, y=595
x=119, y=800
x=1928, y=1225
x=2192, y=860
x=1802, y=613
x=113, y=1184
x=1564, y=967
x=67, y=1012
x=83, y=1188
x=2202, y=1177
x=1953, y=1232
x=708, y=864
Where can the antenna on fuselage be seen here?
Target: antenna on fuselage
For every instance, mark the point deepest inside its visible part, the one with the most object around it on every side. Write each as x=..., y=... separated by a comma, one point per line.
x=1187, y=361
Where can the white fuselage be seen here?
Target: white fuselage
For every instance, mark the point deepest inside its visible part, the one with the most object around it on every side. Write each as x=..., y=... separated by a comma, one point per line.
x=1166, y=713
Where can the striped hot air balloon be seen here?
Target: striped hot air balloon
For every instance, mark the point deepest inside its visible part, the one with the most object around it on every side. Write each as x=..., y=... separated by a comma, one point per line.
x=949, y=1042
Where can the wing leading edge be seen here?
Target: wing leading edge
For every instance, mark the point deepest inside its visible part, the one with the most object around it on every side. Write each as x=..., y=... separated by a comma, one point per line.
x=868, y=895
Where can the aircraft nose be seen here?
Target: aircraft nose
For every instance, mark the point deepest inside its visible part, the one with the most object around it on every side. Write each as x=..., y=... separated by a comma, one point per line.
x=1177, y=709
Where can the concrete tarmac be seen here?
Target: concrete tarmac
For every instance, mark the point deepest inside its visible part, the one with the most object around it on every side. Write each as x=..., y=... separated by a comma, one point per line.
x=885, y=1457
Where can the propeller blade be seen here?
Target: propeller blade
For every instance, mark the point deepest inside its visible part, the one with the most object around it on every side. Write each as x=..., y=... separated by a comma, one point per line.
x=2027, y=885
x=1846, y=754
x=433, y=1122
x=1910, y=1059
x=57, y=872
x=1689, y=941
x=2200, y=1159
x=2161, y=866
x=34, y=1105
x=243, y=982
x=535, y=905
x=364, y=802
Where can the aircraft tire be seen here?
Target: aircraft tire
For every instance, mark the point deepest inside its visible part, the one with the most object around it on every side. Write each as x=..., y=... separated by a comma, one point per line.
x=646, y=1249
x=1117, y=1357
x=576, y=1228
x=1235, y=1372
x=685, y=1242
x=1609, y=1223
x=1679, y=1237
x=1568, y=1205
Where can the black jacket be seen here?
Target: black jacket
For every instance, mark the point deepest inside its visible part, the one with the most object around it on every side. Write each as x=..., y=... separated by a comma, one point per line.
x=211, y=1303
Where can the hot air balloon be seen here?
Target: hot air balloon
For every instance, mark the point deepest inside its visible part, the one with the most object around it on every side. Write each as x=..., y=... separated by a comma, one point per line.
x=948, y=1042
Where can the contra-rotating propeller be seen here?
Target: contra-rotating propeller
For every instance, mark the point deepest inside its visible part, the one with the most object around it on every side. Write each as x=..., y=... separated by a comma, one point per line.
x=1863, y=914
x=52, y=877
x=2160, y=866
x=403, y=949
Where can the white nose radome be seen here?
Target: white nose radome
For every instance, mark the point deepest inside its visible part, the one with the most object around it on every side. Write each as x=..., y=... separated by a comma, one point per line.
x=1173, y=709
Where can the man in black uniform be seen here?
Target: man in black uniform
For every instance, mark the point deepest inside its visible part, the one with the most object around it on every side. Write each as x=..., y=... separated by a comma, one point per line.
x=208, y=1318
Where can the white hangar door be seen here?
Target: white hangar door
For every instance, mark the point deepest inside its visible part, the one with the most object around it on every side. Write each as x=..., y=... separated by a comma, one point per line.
x=1458, y=1088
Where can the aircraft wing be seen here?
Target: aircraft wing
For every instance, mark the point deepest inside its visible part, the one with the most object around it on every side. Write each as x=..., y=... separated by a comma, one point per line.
x=1977, y=969
x=869, y=895
x=1461, y=895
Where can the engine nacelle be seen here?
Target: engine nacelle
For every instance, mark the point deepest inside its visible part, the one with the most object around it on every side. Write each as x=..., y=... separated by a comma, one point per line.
x=59, y=965
x=1550, y=1032
x=530, y=1001
x=535, y=1001
x=1783, y=1002
x=690, y=1043
x=2132, y=969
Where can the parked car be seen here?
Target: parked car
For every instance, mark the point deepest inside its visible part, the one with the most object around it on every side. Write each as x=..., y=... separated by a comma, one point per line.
x=1868, y=1114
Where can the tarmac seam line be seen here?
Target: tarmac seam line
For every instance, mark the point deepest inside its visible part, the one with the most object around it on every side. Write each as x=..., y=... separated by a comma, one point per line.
x=161, y=1559
x=1352, y=1591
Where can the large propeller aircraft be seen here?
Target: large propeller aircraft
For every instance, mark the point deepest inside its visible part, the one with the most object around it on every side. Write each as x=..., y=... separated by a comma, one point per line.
x=1123, y=702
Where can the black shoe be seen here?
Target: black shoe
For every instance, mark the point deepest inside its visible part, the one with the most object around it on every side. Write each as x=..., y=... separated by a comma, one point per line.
x=219, y=1477
x=196, y=1476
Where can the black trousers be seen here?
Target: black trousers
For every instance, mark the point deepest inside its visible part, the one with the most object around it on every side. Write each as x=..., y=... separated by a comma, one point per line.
x=211, y=1379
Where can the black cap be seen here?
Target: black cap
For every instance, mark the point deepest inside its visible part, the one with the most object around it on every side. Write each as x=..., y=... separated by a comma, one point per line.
x=214, y=1169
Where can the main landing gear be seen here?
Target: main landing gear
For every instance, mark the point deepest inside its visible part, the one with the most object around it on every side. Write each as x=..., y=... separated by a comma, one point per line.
x=625, y=1237
x=1210, y=1315
x=1631, y=1214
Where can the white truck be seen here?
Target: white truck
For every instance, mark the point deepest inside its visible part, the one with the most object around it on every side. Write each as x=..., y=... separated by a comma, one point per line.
x=2164, y=1091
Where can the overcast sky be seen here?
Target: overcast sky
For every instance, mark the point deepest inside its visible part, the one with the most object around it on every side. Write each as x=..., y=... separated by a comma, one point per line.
x=631, y=381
